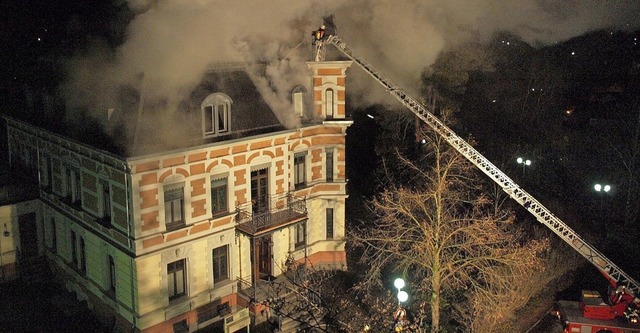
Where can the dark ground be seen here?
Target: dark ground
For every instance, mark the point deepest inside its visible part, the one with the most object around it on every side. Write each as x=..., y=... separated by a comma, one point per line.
x=43, y=307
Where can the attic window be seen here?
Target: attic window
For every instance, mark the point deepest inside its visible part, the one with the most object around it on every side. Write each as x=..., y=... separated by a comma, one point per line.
x=297, y=98
x=216, y=114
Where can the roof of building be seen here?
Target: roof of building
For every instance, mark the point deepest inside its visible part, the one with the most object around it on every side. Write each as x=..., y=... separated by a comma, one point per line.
x=135, y=129
x=153, y=132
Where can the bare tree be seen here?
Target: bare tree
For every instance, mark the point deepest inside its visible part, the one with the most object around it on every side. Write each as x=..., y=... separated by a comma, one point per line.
x=442, y=230
x=515, y=304
x=320, y=300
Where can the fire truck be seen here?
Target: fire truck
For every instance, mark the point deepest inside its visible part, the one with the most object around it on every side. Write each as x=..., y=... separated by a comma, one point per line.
x=617, y=313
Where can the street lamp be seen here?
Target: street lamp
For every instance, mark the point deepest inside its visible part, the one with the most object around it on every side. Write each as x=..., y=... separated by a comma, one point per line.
x=601, y=189
x=403, y=296
x=524, y=163
x=400, y=314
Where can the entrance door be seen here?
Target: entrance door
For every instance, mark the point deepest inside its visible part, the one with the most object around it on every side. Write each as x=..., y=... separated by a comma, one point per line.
x=264, y=257
x=259, y=190
x=28, y=235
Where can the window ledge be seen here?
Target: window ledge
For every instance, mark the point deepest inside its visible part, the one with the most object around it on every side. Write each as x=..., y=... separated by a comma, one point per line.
x=223, y=284
x=175, y=226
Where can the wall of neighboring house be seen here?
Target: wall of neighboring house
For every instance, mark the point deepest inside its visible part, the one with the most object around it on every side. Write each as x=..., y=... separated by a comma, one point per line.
x=14, y=244
x=83, y=220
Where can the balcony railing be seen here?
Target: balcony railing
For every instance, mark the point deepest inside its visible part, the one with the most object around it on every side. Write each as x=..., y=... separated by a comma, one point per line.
x=280, y=211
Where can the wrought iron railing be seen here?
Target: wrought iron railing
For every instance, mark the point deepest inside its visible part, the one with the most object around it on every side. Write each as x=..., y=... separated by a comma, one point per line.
x=278, y=211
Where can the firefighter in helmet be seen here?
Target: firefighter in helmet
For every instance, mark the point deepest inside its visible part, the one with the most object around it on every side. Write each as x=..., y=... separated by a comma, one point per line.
x=318, y=35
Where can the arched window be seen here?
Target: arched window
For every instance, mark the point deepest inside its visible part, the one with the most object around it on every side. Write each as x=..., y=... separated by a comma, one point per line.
x=216, y=114
x=329, y=104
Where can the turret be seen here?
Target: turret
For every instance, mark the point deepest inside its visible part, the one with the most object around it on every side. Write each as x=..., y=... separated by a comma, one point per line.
x=329, y=88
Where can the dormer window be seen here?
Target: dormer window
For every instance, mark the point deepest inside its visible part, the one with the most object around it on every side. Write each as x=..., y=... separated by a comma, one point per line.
x=297, y=99
x=216, y=114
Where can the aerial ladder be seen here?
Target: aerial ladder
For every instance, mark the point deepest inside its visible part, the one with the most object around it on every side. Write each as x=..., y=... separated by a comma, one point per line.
x=617, y=278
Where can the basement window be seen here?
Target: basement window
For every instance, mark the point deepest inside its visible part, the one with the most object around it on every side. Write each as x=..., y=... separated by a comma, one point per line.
x=216, y=114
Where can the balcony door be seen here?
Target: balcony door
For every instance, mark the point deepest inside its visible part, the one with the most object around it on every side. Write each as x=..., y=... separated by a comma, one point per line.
x=259, y=190
x=264, y=257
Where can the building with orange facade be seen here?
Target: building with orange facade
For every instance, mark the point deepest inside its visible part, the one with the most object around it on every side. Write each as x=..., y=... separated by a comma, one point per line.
x=165, y=239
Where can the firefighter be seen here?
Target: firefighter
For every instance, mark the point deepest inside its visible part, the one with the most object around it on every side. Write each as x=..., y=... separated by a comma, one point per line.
x=632, y=312
x=318, y=35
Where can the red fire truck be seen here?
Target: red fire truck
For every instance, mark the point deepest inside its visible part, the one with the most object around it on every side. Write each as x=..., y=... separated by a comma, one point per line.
x=575, y=316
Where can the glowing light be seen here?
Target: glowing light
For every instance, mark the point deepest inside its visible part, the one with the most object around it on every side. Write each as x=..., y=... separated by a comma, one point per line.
x=520, y=160
x=399, y=283
x=402, y=296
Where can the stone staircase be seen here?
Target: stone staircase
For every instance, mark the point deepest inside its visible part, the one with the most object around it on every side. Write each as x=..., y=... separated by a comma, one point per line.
x=296, y=315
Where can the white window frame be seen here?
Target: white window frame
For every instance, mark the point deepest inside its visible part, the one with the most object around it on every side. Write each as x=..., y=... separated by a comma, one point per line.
x=216, y=110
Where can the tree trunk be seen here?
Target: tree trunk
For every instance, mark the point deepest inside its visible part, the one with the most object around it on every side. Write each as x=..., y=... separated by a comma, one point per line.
x=435, y=304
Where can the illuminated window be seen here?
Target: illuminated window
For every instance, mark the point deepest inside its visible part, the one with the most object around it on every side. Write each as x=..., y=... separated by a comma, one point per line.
x=216, y=114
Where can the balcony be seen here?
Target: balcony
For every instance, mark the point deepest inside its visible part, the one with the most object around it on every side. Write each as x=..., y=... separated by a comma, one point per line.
x=281, y=211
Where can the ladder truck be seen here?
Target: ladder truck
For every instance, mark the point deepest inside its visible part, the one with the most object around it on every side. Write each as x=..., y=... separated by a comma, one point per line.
x=592, y=314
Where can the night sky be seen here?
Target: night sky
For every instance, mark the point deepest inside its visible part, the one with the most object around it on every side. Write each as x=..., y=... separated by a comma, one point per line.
x=58, y=55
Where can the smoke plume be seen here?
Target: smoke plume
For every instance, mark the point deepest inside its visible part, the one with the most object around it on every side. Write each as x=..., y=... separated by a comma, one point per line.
x=171, y=43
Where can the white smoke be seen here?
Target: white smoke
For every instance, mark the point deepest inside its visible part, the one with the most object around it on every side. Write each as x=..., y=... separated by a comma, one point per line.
x=174, y=41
